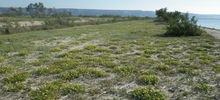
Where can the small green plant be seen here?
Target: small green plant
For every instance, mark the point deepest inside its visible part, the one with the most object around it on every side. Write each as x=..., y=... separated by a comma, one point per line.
x=148, y=79
x=148, y=72
x=216, y=68
x=172, y=62
x=36, y=63
x=113, y=47
x=163, y=68
x=63, y=46
x=163, y=56
x=207, y=62
x=149, y=51
x=83, y=72
x=23, y=53
x=205, y=45
x=2, y=59
x=147, y=93
x=90, y=47
x=190, y=57
x=47, y=91
x=17, y=77
x=109, y=64
x=72, y=89
x=195, y=66
x=103, y=50
x=202, y=87
x=5, y=69
x=115, y=39
x=55, y=50
x=1, y=42
x=42, y=71
x=140, y=61
x=188, y=71
x=13, y=87
x=126, y=70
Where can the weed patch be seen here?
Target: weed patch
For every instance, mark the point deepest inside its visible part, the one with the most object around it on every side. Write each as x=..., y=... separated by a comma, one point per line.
x=146, y=93
x=83, y=72
x=148, y=79
x=18, y=77
x=126, y=70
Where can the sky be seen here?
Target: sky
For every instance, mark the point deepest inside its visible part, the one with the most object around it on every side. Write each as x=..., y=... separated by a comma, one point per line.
x=191, y=6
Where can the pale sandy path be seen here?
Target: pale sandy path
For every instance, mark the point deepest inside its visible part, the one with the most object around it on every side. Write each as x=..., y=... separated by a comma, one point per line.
x=214, y=32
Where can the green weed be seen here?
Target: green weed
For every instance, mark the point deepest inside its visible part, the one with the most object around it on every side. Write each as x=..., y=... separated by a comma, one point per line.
x=5, y=69
x=148, y=79
x=146, y=93
x=188, y=72
x=83, y=72
x=23, y=53
x=13, y=87
x=90, y=47
x=76, y=88
x=17, y=77
x=2, y=59
x=126, y=70
x=55, y=50
x=163, y=67
x=202, y=87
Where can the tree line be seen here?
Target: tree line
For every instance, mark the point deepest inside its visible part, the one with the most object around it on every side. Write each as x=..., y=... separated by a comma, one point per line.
x=35, y=10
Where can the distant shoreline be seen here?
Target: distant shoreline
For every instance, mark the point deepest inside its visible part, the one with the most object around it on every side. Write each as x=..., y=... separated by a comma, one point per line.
x=204, y=27
x=212, y=31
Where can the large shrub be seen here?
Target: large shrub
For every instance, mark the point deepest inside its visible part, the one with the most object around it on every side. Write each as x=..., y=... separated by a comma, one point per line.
x=183, y=26
x=179, y=24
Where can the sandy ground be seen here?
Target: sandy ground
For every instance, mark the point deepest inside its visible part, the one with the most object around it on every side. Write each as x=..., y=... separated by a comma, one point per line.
x=214, y=32
x=26, y=23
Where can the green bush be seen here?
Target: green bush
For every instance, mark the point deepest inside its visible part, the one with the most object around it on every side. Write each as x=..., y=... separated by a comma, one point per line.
x=179, y=24
x=183, y=26
x=146, y=93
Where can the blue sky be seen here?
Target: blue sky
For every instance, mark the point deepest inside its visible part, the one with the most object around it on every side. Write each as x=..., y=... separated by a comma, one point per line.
x=192, y=6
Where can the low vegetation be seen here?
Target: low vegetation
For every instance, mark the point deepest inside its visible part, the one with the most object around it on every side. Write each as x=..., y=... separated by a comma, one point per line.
x=121, y=60
x=148, y=79
x=146, y=93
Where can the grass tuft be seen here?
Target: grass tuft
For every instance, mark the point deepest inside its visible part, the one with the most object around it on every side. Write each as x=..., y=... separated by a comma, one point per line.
x=202, y=88
x=93, y=73
x=2, y=59
x=90, y=47
x=146, y=93
x=163, y=67
x=126, y=70
x=148, y=79
x=13, y=87
x=5, y=69
x=17, y=77
x=23, y=53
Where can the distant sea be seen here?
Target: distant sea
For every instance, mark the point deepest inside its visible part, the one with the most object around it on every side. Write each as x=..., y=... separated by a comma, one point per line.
x=209, y=22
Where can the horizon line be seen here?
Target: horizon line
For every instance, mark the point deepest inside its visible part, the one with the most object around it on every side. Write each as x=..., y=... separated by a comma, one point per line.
x=124, y=10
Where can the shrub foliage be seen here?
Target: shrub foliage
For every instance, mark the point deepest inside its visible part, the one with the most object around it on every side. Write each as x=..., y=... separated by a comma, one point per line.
x=179, y=24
